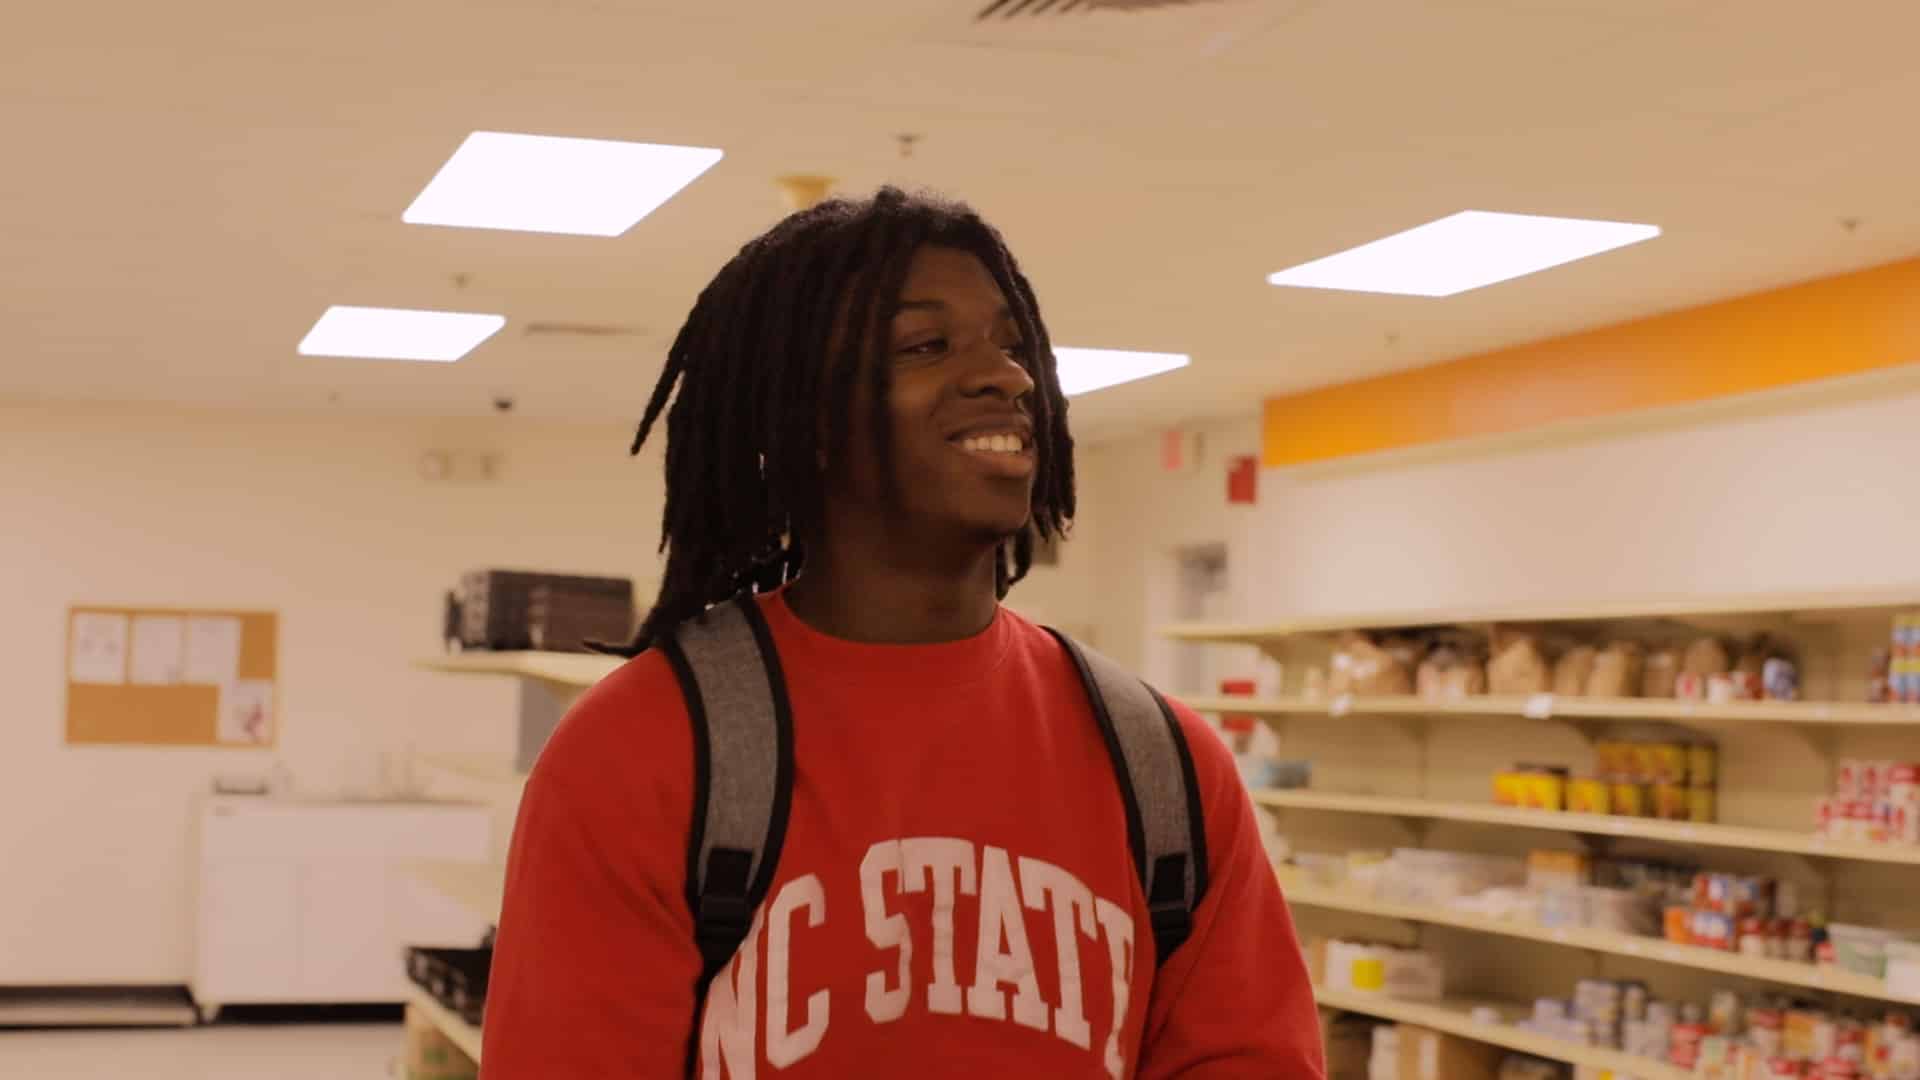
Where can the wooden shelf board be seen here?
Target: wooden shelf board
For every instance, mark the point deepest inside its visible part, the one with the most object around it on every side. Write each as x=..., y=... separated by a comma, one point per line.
x=1550, y=706
x=1808, y=603
x=458, y=1031
x=1783, y=972
x=477, y=886
x=564, y=669
x=1453, y=1017
x=1673, y=832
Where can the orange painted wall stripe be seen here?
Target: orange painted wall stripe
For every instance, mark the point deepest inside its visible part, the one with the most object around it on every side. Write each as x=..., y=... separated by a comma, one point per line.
x=1846, y=325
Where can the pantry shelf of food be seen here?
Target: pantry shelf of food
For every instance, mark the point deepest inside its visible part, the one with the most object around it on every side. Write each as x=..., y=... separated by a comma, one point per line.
x=1805, y=608
x=1783, y=972
x=1456, y=1017
x=1722, y=836
x=1555, y=707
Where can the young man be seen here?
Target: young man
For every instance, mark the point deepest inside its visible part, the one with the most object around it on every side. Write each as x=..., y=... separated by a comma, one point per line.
x=868, y=434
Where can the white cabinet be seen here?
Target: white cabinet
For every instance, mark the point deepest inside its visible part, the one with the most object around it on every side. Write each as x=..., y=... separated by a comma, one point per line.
x=312, y=902
x=249, y=926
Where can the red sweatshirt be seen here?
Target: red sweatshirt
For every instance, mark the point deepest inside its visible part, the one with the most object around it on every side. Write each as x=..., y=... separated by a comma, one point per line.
x=955, y=897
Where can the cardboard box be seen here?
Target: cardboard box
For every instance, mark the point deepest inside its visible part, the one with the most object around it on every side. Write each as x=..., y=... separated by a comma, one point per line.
x=1349, y=1043
x=1426, y=1054
x=1406, y=974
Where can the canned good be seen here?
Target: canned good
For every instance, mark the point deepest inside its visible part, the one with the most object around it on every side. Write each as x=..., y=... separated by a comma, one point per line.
x=1590, y=797
x=1613, y=760
x=1678, y=924
x=1667, y=763
x=1873, y=779
x=1670, y=802
x=1780, y=679
x=1846, y=779
x=1544, y=791
x=1634, y=1001
x=1700, y=804
x=1506, y=788
x=1691, y=687
x=1723, y=1013
x=1631, y=800
x=1721, y=689
x=1685, y=1047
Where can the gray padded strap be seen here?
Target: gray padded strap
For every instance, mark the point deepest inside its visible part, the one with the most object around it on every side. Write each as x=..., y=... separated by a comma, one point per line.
x=1158, y=782
x=1153, y=763
x=742, y=767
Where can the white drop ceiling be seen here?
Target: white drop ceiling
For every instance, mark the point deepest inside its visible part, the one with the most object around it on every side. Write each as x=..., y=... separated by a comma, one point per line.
x=184, y=187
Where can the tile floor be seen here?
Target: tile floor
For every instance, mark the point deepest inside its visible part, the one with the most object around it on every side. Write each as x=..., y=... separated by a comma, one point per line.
x=217, y=1052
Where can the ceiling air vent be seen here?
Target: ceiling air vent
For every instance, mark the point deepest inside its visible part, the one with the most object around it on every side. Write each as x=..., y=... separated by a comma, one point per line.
x=584, y=330
x=1008, y=9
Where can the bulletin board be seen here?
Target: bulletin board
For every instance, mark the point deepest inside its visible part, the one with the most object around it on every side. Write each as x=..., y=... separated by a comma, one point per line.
x=172, y=677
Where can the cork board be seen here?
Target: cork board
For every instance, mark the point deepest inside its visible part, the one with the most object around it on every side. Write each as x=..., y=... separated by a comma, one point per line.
x=172, y=677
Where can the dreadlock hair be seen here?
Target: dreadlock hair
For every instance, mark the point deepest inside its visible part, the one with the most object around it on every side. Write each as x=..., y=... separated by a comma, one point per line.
x=768, y=358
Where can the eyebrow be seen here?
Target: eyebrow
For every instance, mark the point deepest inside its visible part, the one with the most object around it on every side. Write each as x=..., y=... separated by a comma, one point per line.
x=1006, y=310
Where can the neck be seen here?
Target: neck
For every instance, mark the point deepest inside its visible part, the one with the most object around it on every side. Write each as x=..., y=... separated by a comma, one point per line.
x=867, y=597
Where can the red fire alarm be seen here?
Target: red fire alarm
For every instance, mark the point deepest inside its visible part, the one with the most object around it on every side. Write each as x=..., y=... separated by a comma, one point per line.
x=1243, y=479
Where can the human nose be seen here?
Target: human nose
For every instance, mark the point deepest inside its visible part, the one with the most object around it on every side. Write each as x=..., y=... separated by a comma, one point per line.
x=993, y=370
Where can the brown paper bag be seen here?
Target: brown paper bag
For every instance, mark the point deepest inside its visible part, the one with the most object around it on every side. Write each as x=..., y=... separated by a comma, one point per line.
x=1618, y=671
x=1571, y=673
x=1706, y=656
x=1518, y=666
x=1364, y=669
x=1660, y=676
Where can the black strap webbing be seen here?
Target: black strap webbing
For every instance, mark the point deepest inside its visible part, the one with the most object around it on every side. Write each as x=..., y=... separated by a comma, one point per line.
x=742, y=723
x=1154, y=768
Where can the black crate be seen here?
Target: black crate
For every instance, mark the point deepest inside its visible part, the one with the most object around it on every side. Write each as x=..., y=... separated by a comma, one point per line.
x=511, y=609
x=456, y=978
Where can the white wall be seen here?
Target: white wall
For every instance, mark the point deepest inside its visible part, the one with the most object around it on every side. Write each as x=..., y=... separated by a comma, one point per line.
x=324, y=520
x=1804, y=491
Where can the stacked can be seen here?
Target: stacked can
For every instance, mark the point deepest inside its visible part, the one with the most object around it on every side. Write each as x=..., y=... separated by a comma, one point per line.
x=1903, y=677
x=1874, y=802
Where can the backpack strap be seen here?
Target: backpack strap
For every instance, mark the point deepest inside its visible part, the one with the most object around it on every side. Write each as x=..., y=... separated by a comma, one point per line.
x=743, y=776
x=1154, y=766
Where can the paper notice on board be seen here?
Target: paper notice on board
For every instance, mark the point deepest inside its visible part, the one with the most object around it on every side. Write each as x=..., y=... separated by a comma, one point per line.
x=213, y=649
x=246, y=712
x=97, y=653
x=159, y=650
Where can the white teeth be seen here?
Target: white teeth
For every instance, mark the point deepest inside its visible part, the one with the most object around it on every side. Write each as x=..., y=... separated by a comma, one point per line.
x=993, y=444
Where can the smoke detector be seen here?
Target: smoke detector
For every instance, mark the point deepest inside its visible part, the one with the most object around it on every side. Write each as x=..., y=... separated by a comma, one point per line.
x=1125, y=30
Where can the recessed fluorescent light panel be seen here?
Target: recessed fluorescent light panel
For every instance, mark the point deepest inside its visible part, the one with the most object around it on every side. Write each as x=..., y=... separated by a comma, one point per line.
x=397, y=334
x=1465, y=251
x=548, y=184
x=1083, y=371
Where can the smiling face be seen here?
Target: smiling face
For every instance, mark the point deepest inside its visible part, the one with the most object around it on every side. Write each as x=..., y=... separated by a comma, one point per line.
x=963, y=451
